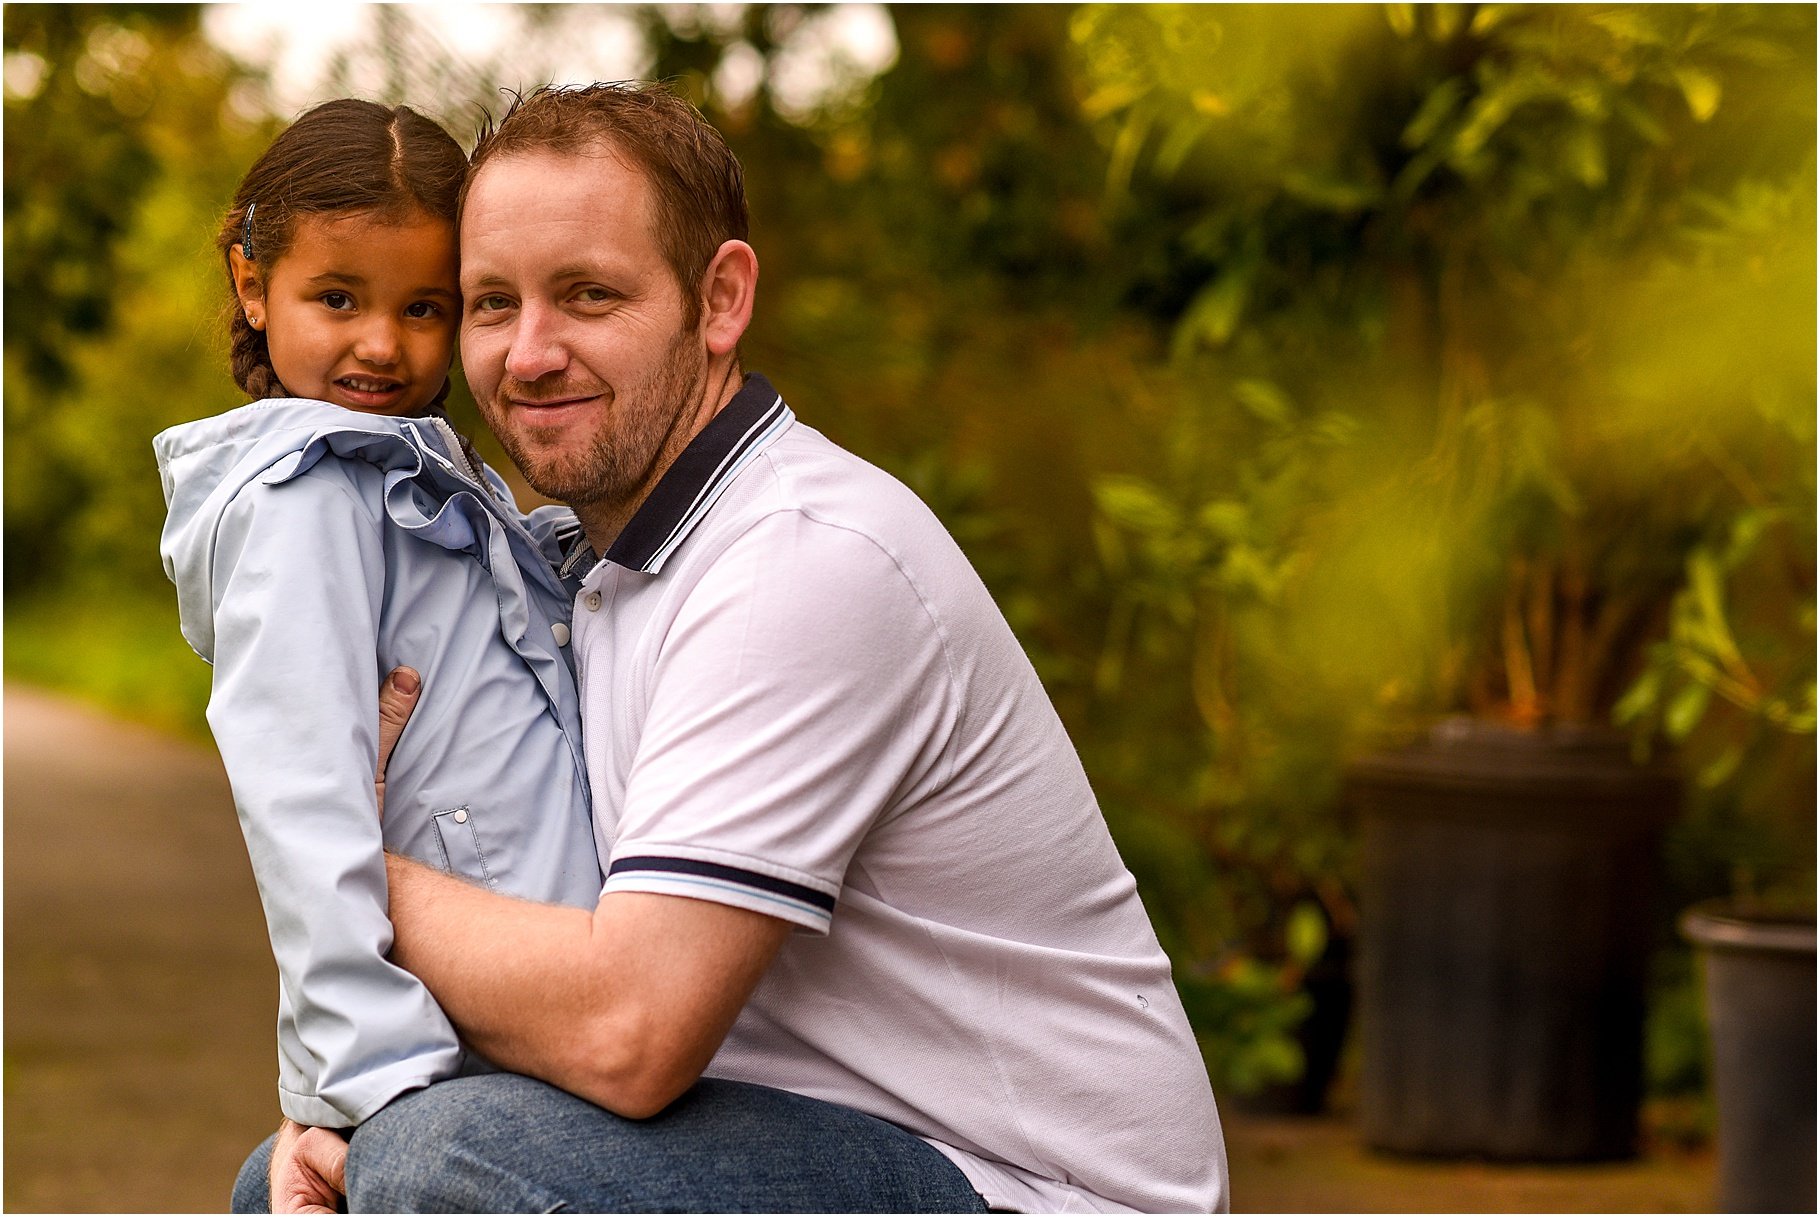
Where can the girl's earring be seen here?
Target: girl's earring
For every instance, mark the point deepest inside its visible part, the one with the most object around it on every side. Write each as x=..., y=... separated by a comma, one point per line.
x=256, y=322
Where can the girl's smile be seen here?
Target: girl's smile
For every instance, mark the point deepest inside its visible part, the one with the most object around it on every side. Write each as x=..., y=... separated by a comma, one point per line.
x=362, y=311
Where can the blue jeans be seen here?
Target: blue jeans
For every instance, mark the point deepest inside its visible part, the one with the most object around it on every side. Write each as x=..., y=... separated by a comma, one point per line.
x=504, y=1143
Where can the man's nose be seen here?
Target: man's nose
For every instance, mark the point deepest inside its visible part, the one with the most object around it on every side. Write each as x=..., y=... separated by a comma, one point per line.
x=379, y=342
x=537, y=348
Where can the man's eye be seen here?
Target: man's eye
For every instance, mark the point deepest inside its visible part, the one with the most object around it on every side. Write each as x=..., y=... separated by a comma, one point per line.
x=593, y=295
x=339, y=301
x=490, y=304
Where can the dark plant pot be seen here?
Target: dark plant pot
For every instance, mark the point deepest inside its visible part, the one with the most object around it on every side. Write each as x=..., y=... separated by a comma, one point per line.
x=1504, y=940
x=1760, y=1008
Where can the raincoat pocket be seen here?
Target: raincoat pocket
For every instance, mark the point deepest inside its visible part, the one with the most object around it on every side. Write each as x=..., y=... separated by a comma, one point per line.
x=459, y=840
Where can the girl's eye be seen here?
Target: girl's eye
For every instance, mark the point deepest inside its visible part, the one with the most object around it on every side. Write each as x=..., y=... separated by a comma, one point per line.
x=339, y=301
x=422, y=310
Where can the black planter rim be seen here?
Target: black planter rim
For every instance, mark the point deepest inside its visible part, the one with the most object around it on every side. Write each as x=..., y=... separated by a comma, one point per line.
x=1464, y=755
x=1718, y=925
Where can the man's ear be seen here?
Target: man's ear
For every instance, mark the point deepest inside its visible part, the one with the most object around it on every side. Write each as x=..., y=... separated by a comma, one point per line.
x=249, y=284
x=729, y=288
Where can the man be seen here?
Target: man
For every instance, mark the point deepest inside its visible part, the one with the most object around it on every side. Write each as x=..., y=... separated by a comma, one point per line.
x=865, y=943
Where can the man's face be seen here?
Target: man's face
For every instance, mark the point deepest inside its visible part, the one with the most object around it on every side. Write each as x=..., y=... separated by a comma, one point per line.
x=572, y=333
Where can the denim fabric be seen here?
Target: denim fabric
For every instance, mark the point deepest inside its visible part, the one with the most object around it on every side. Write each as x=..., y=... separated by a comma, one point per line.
x=503, y=1143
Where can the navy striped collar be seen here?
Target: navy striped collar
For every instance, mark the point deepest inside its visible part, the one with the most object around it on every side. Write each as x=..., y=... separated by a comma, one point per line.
x=681, y=498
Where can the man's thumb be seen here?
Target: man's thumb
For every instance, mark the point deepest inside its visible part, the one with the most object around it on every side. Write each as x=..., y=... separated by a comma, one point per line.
x=334, y=1162
x=397, y=698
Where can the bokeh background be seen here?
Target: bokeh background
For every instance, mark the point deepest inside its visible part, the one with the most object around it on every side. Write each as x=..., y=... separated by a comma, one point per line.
x=1295, y=377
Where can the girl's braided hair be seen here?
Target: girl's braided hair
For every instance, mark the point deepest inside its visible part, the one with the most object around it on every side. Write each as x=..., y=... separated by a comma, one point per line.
x=345, y=157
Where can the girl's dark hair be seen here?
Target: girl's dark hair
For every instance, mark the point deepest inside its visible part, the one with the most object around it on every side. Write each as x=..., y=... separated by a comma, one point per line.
x=346, y=157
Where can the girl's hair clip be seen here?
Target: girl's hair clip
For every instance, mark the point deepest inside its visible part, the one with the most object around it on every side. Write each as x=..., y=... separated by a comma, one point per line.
x=246, y=233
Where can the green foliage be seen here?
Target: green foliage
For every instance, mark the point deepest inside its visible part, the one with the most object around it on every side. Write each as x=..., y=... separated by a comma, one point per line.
x=85, y=87
x=119, y=649
x=1492, y=331
x=1247, y=1022
x=118, y=164
x=1677, y=1050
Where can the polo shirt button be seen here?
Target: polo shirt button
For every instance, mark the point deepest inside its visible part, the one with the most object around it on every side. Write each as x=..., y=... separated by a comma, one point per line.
x=561, y=634
x=461, y=817
x=592, y=600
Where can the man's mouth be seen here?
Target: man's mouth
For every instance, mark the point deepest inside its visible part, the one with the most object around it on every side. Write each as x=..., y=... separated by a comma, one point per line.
x=552, y=403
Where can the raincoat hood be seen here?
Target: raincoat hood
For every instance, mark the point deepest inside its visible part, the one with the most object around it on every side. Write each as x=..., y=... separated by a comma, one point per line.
x=204, y=464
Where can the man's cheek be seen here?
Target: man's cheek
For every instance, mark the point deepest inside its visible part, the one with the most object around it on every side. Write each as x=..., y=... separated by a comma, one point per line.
x=482, y=361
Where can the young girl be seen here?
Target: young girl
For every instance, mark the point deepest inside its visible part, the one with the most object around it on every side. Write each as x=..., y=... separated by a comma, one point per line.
x=338, y=527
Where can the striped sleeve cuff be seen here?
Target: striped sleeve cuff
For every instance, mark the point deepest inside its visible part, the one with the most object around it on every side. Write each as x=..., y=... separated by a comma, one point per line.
x=812, y=908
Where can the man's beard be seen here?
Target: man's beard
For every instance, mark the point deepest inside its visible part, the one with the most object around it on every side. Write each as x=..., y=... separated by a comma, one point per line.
x=616, y=460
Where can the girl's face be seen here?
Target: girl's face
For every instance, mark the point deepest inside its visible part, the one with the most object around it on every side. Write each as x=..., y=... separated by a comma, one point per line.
x=361, y=312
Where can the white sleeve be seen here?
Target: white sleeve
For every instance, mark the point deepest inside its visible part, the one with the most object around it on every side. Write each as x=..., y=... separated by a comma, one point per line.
x=801, y=692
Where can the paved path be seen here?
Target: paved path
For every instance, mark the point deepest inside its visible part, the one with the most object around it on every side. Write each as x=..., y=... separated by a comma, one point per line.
x=140, y=996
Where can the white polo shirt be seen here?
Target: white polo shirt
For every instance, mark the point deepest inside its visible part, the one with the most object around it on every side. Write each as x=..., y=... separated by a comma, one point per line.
x=800, y=699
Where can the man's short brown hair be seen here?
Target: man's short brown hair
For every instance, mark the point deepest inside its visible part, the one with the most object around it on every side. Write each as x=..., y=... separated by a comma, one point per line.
x=699, y=193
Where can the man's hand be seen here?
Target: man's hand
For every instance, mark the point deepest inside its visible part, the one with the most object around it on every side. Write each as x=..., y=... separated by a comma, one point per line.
x=309, y=1169
x=397, y=698
x=624, y=1007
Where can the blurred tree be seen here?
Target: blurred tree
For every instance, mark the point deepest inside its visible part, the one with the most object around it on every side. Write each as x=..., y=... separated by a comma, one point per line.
x=1433, y=214
x=123, y=141
x=1469, y=382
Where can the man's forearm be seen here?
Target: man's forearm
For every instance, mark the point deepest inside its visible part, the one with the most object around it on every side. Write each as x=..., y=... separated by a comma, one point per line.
x=623, y=1007
x=512, y=975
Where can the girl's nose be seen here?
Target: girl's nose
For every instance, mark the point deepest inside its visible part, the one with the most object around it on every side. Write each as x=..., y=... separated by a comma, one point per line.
x=378, y=343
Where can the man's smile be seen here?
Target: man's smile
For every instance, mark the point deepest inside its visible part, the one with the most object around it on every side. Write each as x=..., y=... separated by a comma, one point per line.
x=552, y=403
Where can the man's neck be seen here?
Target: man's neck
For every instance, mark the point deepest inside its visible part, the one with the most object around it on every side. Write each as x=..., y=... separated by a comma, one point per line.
x=605, y=519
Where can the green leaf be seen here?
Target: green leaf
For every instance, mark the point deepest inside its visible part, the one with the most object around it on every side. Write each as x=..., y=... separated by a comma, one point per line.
x=1276, y=1058
x=1440, y=105
x=1136, y=504
x=1264, y=401
x=1215, y=313
x=1446, y=19
x=1746, y=531
x=1706, y=584
x=1685, y=710
x=1639, y=698
x=1336, y=428
x=1701, y=90
x=1182, y=136
x=1584, y=153
x=1641, y=121
x=1402, y=18
x=1330, y=193
x=1226, y=519
x=1718, y=770
x=1630, y=24
x=1491, y=16
x=1305, y=933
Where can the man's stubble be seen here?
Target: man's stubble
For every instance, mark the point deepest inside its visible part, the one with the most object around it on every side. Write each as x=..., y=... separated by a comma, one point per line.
x=640, y=433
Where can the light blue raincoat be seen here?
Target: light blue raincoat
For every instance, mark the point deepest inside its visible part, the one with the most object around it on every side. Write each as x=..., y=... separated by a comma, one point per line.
x=314, y=549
